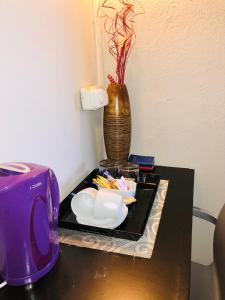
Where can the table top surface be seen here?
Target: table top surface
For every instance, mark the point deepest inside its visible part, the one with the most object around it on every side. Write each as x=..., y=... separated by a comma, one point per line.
x=87, y=274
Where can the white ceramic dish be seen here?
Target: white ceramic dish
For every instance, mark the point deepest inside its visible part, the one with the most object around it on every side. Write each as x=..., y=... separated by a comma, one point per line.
x=104, y=223
x=104, y=209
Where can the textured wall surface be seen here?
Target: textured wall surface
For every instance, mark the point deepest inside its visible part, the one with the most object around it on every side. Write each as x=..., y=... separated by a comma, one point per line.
x=47, y=54
x=176, y=81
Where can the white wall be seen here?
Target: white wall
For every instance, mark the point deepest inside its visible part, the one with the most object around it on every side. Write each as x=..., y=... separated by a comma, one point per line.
x=176, y=82
x=47, y=52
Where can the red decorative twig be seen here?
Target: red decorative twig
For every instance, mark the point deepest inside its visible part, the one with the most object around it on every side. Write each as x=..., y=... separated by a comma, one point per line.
x=119, y=20
x=111, y=79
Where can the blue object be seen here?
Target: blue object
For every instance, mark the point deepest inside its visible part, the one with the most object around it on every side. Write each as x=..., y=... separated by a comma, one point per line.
x=142, y=160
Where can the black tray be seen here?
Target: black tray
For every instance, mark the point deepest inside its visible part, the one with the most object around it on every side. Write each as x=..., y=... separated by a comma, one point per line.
x=133, y=226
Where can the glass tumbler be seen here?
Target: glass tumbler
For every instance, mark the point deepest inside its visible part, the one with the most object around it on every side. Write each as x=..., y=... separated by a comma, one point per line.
x=112, y=166
x=129, y=170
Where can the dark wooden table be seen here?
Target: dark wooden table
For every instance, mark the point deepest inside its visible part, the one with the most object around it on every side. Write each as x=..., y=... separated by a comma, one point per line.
x=85, y=274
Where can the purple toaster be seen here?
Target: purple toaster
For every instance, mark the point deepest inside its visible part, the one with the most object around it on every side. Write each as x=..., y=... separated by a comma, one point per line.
x=29, y=205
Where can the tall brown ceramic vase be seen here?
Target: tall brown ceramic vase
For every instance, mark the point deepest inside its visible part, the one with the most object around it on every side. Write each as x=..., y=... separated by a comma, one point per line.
x=117, y=123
